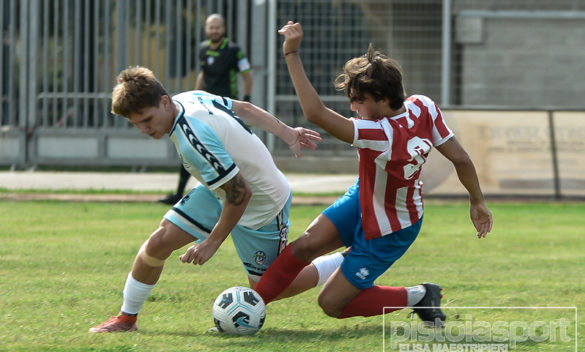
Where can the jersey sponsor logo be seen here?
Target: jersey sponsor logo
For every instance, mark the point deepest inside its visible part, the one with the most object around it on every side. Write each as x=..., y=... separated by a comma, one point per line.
x=200, y=99
x=210, y=60
x=199, y=147
x=418, y=148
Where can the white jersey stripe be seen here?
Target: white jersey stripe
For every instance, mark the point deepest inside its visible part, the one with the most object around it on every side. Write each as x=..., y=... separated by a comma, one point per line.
x=402, y=212
x=380, y=209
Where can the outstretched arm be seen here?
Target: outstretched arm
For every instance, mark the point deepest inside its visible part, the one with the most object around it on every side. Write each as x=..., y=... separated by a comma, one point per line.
x=481, y=216
x=296, y=138
x=313, y=108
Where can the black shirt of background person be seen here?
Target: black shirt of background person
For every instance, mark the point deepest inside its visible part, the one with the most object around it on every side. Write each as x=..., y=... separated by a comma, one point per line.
x=220, y=68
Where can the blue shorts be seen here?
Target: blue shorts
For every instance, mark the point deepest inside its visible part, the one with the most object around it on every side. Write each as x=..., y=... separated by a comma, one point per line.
x=367, y=259
x=198, y=212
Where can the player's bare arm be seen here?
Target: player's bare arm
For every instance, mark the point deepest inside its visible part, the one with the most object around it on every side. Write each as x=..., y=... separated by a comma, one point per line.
x=199, y=81
x=313, y=108
x=237, y=191
x=247, y=77
x=481, y=216
x=238, y=194
x=297, y=138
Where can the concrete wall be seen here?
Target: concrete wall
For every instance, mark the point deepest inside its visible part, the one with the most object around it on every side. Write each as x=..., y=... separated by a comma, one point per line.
x=79, y=147
x=521, y=59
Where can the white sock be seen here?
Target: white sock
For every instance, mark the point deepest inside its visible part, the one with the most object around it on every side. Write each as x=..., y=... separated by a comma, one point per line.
x=326, y=265
x=414, y=294
x=135, y=293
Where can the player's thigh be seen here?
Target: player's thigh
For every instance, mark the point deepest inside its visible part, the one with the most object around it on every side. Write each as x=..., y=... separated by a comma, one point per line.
x=321, y=237
x=167, y=238
x=333, y=228
x=197, y=213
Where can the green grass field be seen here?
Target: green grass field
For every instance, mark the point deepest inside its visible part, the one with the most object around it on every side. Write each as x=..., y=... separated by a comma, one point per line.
x=63, y=266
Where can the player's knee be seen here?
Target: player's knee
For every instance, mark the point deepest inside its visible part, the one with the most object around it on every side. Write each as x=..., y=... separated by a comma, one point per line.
x=304, y=248
x=156, y=250
x=146, y=254
x=329, y=307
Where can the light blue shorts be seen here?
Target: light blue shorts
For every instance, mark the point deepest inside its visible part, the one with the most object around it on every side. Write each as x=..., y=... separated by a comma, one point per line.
x=198, y=212
x=367, y=259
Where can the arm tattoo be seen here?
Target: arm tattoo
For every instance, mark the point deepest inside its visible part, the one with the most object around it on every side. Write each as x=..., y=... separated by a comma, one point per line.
x=235, y=190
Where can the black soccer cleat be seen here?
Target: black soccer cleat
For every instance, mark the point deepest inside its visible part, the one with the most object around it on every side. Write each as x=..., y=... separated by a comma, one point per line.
x=430, y=312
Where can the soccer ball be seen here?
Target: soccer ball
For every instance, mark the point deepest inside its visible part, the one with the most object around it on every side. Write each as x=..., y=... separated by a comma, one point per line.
x=239, y=310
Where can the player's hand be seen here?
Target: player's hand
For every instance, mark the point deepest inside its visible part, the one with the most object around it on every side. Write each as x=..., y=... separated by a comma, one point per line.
x=303, y=138
x=293, y=33
x=199, y=253
x=481, y=217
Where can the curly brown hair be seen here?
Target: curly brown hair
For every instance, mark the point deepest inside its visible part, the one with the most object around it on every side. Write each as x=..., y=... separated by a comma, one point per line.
x=374, y=74
x=137, y=89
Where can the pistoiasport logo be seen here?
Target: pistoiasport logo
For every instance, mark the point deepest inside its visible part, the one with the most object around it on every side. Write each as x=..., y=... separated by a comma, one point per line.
x=486, y=329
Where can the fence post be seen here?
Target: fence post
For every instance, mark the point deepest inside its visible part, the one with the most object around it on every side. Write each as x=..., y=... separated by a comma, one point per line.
x=32, y=64
x=271, y=84
x=446, y=55
x=554, y=154
x=22, y=103
x=121, y=35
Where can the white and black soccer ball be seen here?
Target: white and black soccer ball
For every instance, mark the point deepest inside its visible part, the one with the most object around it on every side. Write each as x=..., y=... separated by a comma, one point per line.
x=239, y=310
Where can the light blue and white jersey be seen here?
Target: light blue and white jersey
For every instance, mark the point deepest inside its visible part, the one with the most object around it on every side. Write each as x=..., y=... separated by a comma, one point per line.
x=214, y=145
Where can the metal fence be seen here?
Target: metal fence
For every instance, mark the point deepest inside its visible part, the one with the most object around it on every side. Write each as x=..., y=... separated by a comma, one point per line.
x=522, y=54
x=63, y=55
x=59, y=59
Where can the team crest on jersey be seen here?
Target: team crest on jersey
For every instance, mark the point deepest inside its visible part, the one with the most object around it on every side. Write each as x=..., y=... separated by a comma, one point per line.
x=210, y=60
x=259, y=257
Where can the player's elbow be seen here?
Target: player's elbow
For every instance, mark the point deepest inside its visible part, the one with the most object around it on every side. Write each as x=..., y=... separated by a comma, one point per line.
x=248, y=195
x=314, y=115
x=237, y=191
x=462, y=160
x=241, y=198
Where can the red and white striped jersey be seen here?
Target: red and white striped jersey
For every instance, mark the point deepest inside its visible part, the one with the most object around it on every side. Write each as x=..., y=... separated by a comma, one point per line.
x=392, y=152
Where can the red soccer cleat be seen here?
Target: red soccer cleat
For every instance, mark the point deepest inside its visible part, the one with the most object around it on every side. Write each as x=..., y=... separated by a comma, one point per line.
x=121, y=322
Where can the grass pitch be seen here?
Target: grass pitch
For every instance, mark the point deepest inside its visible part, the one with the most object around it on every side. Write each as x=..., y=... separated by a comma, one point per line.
x=63, y=266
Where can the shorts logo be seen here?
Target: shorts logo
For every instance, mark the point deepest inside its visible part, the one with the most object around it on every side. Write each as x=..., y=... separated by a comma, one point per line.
x=259, y=257
x=363, y=273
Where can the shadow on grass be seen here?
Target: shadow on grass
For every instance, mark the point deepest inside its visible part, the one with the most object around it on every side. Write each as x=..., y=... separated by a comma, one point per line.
x=282, y=335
